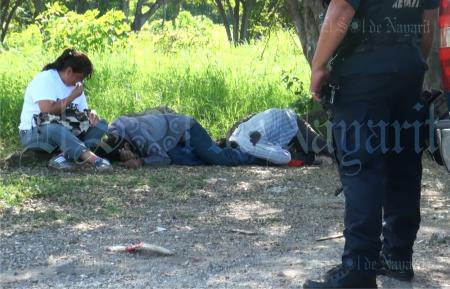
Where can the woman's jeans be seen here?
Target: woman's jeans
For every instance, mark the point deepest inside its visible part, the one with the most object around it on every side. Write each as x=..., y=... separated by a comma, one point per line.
x=51, y=136
x=199, y=148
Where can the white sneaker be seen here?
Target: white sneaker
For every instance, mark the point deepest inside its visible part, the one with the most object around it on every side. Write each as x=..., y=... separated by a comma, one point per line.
x=59, y=162
x=102, y=165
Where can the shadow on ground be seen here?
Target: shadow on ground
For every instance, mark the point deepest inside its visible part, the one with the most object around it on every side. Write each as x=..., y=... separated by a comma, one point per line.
x=246, y=227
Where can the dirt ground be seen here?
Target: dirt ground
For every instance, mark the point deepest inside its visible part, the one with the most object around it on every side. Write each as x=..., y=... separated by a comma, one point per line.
x=244, y=227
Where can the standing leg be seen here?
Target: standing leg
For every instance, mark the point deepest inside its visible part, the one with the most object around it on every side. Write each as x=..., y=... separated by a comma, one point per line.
x=401, y=201
x=360, y=117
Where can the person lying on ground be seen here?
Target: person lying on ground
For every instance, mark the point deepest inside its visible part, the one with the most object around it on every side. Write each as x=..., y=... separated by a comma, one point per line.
x=161, y=137
x=55, y=113
x=276, y=136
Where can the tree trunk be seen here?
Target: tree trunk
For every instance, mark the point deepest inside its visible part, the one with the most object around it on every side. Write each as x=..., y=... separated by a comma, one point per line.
x=231, y=14
x=223, y=15
x=246, y=11
x=140, y=18
x=305, y=16
x=126, y=8
x=176, y=11
x=7, y=12
x=39, y=7
x=236, y=21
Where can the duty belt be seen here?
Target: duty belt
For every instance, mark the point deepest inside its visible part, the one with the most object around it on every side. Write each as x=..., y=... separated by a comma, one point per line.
x=385, y=40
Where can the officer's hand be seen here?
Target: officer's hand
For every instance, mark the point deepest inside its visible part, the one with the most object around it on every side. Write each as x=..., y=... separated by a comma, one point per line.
x=319, y=76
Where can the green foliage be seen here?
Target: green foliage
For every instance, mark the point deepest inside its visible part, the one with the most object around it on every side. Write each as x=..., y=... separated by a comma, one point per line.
x=30, y=37
x=202, y=7
x=86, y=32
x=266, y=16
x=185, y=32
x=299, y=87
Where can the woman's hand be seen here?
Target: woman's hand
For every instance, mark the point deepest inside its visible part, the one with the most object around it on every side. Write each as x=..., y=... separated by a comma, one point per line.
x=59, y=106
x=93, y=118
x=319, y=76
x=77, y=91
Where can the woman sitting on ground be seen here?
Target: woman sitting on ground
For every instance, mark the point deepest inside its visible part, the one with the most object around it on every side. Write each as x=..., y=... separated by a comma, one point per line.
x=161, y=136
x=53, y=94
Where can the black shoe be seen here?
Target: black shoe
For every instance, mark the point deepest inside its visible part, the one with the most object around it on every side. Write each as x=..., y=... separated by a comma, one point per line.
x=341, y=277
x=400, y=270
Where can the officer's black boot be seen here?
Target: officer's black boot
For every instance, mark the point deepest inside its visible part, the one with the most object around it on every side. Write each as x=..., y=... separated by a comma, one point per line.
x=398, y=269
x=342, y=277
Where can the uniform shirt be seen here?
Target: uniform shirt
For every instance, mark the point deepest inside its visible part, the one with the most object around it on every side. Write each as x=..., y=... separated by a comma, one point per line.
x=46, y=85
x=277, y=127
x=400, y=4
x=152, y=135
x=397, y=16
x=381, y=21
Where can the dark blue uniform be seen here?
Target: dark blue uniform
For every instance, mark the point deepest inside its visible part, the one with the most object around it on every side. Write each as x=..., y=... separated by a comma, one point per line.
x=378, y=125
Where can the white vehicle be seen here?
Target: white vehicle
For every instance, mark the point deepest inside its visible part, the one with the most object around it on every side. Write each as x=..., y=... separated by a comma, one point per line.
x=443, y=126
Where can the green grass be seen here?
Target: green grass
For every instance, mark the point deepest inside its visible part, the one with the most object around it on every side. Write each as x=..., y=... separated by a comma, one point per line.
x=108, y=195
x=217, y=84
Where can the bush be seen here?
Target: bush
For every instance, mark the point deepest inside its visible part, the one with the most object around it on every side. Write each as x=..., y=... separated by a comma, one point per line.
x=30, y=37
x=185, y=32
x=86, y=32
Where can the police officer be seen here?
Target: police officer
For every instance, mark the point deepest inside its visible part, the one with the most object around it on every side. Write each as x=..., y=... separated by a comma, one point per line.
x=379, y=49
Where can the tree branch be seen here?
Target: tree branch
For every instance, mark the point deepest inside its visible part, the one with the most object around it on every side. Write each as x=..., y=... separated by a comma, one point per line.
x=140, y=18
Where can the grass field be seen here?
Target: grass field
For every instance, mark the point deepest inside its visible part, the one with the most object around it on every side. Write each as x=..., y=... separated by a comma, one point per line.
x=216, y=83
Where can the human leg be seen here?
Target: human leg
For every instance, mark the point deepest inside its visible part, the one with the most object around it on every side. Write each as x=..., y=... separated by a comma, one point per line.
x=93, y=136
x=401, y=200
x=360, y=116
x=209, y=152
x=72, y=147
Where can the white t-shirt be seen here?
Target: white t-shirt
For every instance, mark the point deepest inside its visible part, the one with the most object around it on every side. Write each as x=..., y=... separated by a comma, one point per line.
x=46, y=85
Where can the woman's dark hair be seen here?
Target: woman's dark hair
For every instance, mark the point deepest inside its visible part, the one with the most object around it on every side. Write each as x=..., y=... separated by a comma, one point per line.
x=325, y=3
x=78, y=61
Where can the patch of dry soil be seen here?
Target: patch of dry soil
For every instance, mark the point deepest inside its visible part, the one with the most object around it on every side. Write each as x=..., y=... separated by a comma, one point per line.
x=245, y=227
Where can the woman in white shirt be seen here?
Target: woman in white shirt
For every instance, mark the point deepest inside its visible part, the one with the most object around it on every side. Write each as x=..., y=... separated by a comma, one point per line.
x=57, y=87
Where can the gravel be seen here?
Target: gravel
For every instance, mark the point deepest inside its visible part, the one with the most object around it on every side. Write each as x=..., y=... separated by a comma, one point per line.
x=285, y=209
